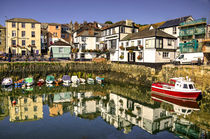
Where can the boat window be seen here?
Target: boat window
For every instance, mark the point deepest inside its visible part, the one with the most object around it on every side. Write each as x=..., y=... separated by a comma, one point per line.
x=189, y=111
x=191, y=86
x=181, y=56
x=183, y=110
x=185, y=86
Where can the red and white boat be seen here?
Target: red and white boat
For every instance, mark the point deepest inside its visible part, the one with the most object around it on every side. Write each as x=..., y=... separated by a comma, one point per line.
x=180, y=88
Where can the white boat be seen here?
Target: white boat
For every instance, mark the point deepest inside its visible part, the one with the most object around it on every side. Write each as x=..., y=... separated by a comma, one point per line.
x=90, y=81
x=99, y=80
x=75, y=79
x=7, y=82
x=50, y=79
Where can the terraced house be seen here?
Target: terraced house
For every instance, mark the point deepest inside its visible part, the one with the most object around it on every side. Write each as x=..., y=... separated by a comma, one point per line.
x=114, y=33
x=148, y=46
x=23, y=35
x=2, y=39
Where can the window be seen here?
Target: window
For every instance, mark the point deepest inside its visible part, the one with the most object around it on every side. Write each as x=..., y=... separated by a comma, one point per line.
x=126, y=43
x=122, y=44
x=57, y=27
x=13, y=51
x=165, y=54
x=0, y=32
x=23, y=33
x=23, y=25
x=0, y=41
x=113, y=44
x=82, y=55
x=185, y=86
x=13, y=24
x=32, y=33
x=25, y=109
x=83, y=47
x=61, y=50
x=159, y=43
x=23, y=43
x=191, y=86
x=139, y=42
x=13, y=42
x=174, y=30
x=132, y=43
x=25, y=100
x=83, y=39
x=26, y=117
x=35, y=108
x=13, y=33
x=32, y=25
x=169, y=42
x=55, y=34
x=35, y=116
x=32, y=42
x=63, y=36
x=122, y=29
x=150, y=43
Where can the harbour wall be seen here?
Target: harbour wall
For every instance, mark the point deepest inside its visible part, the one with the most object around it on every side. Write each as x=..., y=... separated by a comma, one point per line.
x=112, y=72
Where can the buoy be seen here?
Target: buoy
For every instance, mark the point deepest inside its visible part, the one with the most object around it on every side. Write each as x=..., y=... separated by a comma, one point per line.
x=13, y=102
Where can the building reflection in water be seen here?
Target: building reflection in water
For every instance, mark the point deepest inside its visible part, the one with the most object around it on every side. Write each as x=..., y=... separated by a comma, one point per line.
x=122, y=112
x=22, y=108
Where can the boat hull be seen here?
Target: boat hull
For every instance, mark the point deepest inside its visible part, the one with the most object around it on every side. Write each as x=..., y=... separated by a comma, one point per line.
x=178, y=94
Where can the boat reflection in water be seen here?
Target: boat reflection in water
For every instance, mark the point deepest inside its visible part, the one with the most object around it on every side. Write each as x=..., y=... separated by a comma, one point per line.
x=181, y=107
x=116, y=109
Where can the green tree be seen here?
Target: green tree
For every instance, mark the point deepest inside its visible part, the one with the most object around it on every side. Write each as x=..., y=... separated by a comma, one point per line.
x=108, y=22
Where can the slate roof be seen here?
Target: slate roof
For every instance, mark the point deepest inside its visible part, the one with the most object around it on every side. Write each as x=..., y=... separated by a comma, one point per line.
x=147, y=34
x=155, y=25
x=23, y=20
x=174, y=22
x=60, y=43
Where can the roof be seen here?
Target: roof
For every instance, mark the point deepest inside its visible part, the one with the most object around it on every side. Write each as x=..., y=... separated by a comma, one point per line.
x=60, y=43
x=155, y=25
x=174, y=22
x=23, y=20
x=147, y=34
x=54, y=24
x=89, y=33
x=120, y=23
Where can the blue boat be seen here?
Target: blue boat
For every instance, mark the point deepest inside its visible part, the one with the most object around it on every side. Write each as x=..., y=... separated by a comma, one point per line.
x=99, y=80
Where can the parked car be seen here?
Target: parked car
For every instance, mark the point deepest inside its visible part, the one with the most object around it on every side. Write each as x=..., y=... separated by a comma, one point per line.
x=189, y=58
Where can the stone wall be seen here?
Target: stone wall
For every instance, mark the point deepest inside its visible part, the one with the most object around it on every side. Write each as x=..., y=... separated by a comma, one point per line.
x=198, y=74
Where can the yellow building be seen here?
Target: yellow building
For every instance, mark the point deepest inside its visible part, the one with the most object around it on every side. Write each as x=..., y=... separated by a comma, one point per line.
x=26, y=108
x=22, y=34
x=2, y=38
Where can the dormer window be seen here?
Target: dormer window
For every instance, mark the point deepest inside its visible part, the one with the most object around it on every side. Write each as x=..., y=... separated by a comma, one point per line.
x=57, y=27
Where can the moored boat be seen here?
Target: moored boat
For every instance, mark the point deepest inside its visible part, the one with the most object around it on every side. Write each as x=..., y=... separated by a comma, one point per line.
x=19, y=83
x=29, y=81
x=58, y=81
x=66, y=79
x=99, y=80
x=75, y=79
x=90, y=81
x=7, y=82
x=180, y=88
x=40, y=82
x=50, y=79
x=82, y=80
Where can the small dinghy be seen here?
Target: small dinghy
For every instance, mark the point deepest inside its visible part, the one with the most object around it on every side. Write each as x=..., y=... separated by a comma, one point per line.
x=40, y=82
x=99, y=80
x=75, y=79
x=90, y=81
x=50, y=79
x=82, y=81
x=29, y=81
x=6, y=82
x=66, y=79
x=19, y=83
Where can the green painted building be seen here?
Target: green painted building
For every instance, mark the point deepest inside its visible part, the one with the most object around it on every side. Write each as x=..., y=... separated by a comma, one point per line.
x=60, y=50
x=191, y=34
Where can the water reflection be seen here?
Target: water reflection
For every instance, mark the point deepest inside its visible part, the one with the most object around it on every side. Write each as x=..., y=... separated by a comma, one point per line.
x=116, y=109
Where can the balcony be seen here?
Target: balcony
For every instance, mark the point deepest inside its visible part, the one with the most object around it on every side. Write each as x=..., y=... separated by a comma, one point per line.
x=191, y=46
x=192, y=31
x=195, y=22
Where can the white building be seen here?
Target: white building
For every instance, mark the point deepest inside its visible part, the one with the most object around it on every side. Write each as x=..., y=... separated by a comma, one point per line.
x=148, y=46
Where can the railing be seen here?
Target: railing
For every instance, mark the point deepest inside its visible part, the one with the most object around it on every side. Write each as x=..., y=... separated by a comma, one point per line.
x=193, y=22
x=192, y=31
x=188, y=47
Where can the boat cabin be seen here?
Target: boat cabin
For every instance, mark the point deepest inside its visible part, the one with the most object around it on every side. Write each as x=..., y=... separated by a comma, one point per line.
x=180, y=83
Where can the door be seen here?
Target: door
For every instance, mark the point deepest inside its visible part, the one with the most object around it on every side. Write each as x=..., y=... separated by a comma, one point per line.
x=131, y=57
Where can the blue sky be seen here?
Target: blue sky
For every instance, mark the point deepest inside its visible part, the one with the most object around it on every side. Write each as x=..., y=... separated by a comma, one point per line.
x=140, y=11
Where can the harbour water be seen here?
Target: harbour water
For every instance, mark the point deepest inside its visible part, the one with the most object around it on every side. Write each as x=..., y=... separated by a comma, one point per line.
x=95, y=111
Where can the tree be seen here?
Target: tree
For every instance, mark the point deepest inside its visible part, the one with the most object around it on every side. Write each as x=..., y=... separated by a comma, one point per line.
x=108, y=22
